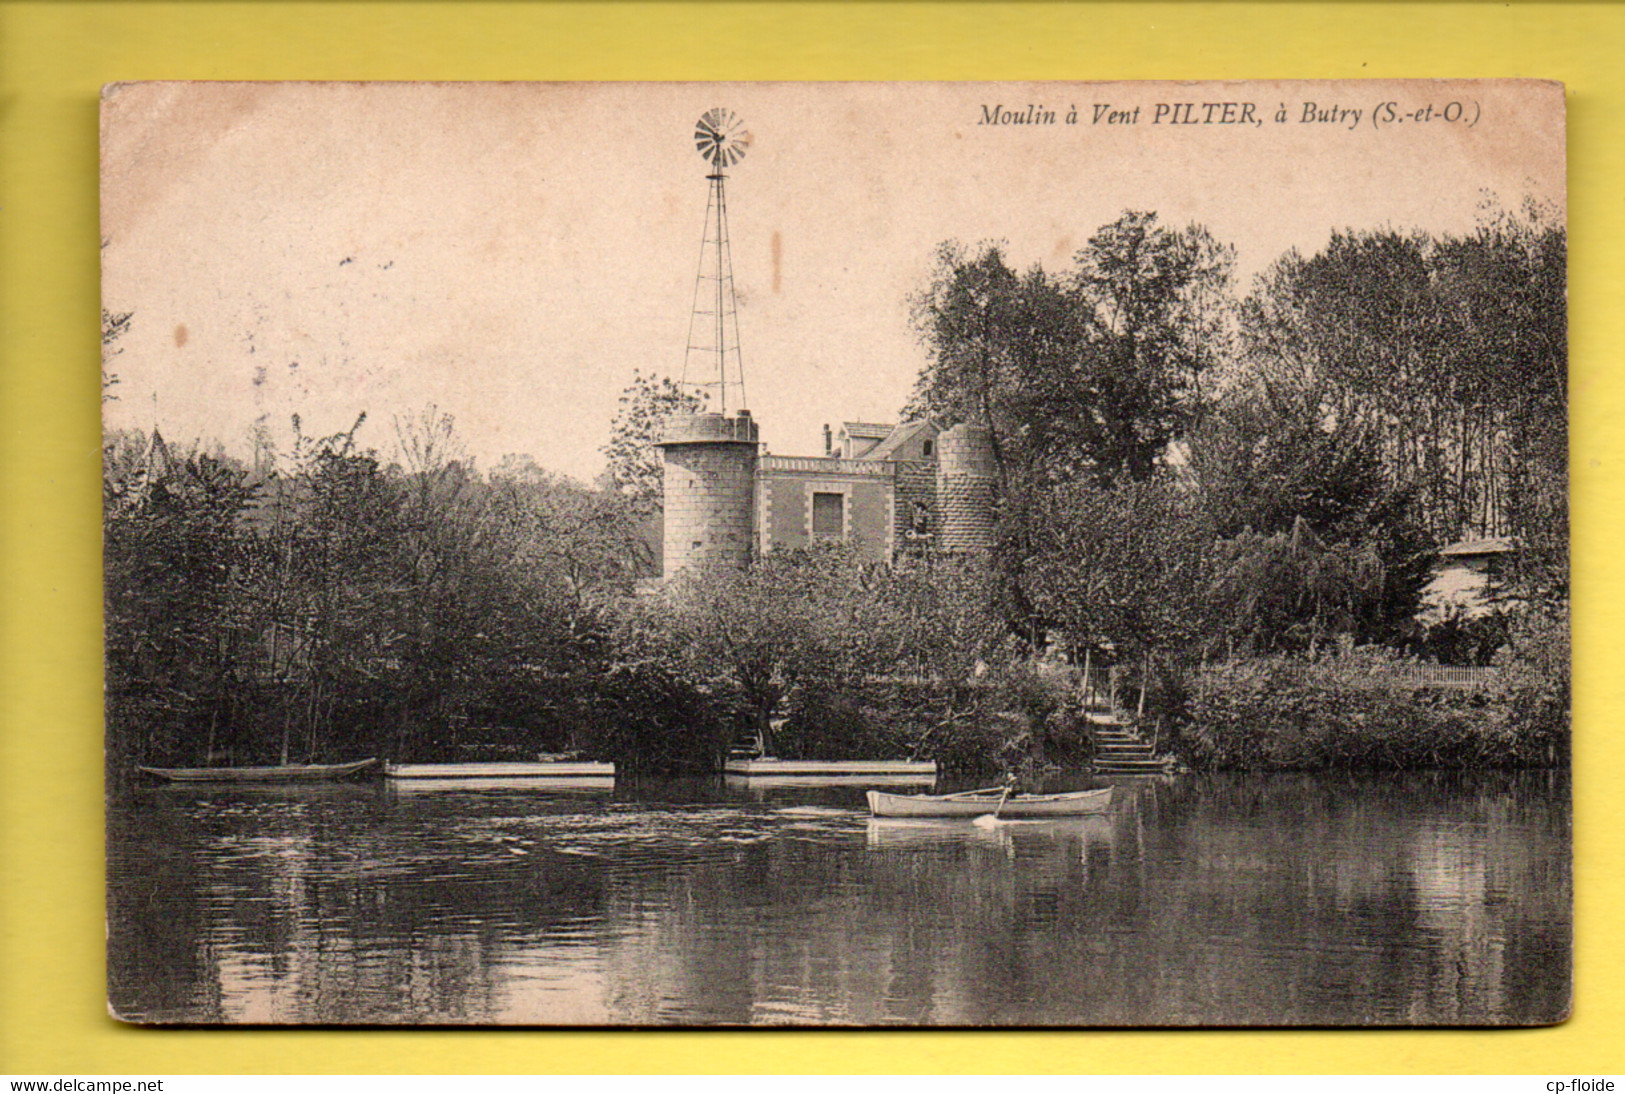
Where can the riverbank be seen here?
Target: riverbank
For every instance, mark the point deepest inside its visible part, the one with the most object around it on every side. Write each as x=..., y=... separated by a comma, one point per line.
x=1350, y=708
x=1369, y=710
x=1361, y=709
x=1365, y=709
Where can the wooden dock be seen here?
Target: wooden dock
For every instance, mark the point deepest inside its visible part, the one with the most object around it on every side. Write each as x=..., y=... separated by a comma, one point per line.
x=546, y=770
x=767, y=766
x=551, y=785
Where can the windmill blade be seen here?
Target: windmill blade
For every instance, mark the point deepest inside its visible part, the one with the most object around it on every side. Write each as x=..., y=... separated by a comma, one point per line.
x=707, y=137
x=720, y=137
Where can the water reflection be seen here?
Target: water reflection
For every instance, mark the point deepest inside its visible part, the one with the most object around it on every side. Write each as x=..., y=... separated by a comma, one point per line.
x=1201, y=900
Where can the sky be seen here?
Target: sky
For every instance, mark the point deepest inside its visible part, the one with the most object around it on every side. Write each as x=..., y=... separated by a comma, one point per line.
x=510, y=254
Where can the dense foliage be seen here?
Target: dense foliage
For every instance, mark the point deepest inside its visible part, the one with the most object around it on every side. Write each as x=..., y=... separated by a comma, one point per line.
x=1367, y=709
x=1185, y=474
x=633, y=461
x=1090, y=374
x=323, y=604
x=1236, y=500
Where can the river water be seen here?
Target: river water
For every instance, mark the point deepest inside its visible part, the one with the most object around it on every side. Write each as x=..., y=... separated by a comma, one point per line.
x=1413, y=899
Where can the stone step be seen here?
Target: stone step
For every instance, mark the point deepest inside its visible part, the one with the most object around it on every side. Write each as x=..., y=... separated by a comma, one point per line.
x=1128, y=767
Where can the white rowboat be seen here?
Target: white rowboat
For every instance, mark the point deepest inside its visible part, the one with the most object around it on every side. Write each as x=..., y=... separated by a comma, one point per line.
x=282, y=773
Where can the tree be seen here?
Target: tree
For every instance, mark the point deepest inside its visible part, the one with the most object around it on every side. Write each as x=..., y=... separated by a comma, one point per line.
x=1124, y=566
x=181, y=622
x=816, y=617
x=114, y=326
x=1162, y=298
x=1094, y=373
x=1091, y=376
x=1269, y=468
x=580, y=540
x=1449, y=352
x=634, y=468
x=946, y=626
x=330, y=539
x=968, y=317
x=443, y=583
x=1291, y=591
x=1507, y=283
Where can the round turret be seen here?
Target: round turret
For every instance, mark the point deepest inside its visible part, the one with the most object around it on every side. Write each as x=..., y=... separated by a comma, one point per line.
x=966, y=475
x=710, y=491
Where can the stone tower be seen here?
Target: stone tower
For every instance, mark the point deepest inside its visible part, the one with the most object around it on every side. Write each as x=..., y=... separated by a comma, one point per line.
x=966, y=475
x=710, y=485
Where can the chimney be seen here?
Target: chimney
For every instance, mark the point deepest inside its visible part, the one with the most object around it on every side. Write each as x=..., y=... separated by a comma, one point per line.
x=829, y=440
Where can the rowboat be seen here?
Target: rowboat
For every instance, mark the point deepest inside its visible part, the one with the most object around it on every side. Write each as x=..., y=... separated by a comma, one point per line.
x=977, y=803
x=283, y=773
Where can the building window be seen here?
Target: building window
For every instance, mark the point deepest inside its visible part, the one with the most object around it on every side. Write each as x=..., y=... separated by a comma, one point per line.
x=927, y=448
x=828, y=516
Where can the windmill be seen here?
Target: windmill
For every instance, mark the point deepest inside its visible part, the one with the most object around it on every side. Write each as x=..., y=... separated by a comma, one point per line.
x=713, y=327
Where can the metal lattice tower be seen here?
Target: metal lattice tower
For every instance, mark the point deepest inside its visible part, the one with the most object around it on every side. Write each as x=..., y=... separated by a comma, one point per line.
x=712, y=361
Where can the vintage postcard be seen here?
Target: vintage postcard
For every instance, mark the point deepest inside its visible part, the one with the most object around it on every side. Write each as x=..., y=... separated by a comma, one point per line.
x=1054, y=554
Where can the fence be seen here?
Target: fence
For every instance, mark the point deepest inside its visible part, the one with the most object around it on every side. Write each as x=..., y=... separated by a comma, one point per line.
x=1463, y=677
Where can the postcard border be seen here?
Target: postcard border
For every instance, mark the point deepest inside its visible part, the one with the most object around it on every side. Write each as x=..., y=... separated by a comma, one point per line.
x=53, y=60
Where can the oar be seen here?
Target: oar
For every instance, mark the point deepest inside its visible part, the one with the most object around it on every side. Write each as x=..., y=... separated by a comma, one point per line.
x=973, y=793
x=988, y=820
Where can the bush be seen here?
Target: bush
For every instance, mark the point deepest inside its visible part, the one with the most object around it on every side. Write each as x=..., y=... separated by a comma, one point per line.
x=1018, y=722
x=650, y=721
x=843, y=724
x=1537, y=666
x=1359, y=710
x=975, y=746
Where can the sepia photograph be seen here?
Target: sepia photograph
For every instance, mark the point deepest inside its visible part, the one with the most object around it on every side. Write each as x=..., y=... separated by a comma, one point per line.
x=836, y=554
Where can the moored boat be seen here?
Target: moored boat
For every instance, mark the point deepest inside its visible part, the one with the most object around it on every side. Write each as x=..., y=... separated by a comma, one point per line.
x=281, y=773
x=977, y=803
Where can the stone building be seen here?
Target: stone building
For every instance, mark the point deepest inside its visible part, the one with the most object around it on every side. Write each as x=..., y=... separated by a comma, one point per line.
x=710, y=463
x=893, y=490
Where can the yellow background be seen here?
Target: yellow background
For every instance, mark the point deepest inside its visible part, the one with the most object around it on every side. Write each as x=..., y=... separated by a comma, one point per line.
x=55, y=56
